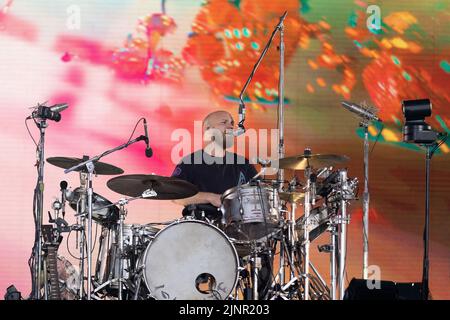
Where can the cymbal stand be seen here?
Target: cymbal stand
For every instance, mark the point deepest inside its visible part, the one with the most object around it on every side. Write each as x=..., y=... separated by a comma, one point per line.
x=342, y=227
x=123, y=213
x=256, y=265
x=89, y=166
x=284, y=289
x=81, y=214
x=306, y=242
x=333, y=255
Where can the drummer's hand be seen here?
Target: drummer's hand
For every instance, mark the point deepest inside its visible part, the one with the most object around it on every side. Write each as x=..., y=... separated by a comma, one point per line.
x=214, y=199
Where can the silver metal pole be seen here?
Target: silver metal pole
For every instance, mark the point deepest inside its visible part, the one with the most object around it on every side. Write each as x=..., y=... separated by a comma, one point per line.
x=366, y=199
x=256, y=266
x=82, y=245
x=90, y=167
x=307, y=210
x=343, y=233
x=42, y=126
x=293, y=236
x=333, y=253
x=280, y=173
x=81, y=215
x=122, y=213
x=282, y=268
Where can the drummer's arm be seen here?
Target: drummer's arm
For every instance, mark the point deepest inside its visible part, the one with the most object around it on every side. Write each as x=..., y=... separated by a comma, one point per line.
x=201, y=197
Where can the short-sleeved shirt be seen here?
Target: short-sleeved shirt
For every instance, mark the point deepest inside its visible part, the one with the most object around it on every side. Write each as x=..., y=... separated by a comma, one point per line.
x=214, y=174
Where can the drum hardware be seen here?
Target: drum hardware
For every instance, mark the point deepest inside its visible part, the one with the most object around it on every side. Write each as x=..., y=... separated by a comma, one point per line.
x=307, y=208
x=123, y=213
x=342, y=227
x=89, y=165
x=256, y=266
x=338, y=234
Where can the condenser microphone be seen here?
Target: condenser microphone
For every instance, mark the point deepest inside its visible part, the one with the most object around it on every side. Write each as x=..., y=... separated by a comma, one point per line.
x=50, y=113
x=363, y=112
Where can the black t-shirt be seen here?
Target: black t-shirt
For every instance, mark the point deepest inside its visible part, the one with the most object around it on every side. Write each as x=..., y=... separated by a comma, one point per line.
x=214, y=174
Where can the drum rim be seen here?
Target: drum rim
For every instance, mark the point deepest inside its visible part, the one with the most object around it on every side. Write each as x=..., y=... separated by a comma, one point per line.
x=181, y=221
x=229, y=192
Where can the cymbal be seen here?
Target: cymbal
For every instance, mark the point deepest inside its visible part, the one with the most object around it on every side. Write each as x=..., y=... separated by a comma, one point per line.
x=291, y=197
x=301, y=162
x=101, y=168
x=156, y=187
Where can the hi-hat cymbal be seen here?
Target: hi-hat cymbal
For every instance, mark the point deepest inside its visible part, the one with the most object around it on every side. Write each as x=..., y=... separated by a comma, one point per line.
x=292, y=197
x=303, y=161
x=101, y=168
x=151, y=186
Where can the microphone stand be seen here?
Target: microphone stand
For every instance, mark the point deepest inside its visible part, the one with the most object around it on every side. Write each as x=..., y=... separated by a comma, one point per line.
x=280, y=174
x=38, y=213
x=430, y=150
x=279, y=27
x=90, y=166
x=366, y=199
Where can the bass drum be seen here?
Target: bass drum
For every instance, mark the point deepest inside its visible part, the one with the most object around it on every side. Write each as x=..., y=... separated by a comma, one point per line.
x=190, y=260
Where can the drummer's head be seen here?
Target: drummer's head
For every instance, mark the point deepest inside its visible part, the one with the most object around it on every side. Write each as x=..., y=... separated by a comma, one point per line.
x=215, y=126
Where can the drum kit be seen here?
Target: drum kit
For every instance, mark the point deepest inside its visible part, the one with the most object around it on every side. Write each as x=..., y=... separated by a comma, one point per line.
x=253, y=247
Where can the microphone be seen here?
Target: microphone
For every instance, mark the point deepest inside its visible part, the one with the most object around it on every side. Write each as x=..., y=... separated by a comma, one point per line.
x=148, y=150
x=241, y=128
x=363, y=112
x=63, y=185
x=239, y=131
x=50, y=113
x=59, y=107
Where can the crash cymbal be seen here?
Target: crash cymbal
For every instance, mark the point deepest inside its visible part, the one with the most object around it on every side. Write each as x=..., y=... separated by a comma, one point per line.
x=292, y=197
x=301, y=162
x=101, y=168
x=152, y=187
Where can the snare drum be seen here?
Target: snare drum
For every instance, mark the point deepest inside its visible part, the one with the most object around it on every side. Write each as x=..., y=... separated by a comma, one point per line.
x=250, y=212
x=190, y=260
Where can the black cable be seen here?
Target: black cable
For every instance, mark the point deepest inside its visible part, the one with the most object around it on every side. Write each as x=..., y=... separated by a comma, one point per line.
x=141, y=119
x=29, y=132
x=68, y=248
x=439, y=144
x=376, y=140
x=129, y=139
x=85, y=241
